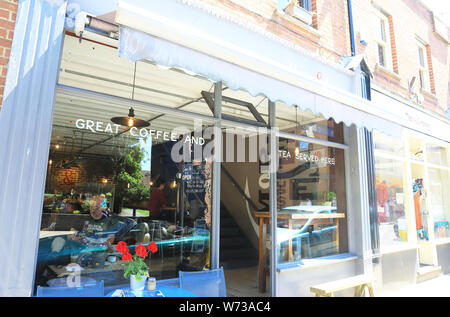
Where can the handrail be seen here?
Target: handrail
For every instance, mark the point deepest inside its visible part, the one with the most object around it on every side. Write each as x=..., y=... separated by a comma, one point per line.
x=239, y=188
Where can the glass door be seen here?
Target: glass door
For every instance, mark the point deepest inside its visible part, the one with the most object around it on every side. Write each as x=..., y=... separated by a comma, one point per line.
x=420, y=192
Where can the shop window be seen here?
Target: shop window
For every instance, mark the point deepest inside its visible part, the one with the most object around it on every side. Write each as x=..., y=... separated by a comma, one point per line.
x=296, y=121
x=386, y=144
x=390, y=201
x=108, y=182
x=391, y=192
x=437, y=154
x=440, y=201
x=416, y=146
x=311, y=201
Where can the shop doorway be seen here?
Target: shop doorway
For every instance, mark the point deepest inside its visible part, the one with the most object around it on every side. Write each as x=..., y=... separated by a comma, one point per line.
x=241, y=197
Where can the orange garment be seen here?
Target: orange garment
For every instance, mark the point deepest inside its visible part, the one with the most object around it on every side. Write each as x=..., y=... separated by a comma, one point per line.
x=417, y=210
x=382, y=194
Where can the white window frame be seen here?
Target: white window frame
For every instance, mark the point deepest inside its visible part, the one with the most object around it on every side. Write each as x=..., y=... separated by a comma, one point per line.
x=381, y=20
x=424, y=74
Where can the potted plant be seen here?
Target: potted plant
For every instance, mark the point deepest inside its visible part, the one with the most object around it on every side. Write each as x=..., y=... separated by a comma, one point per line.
x=328, y=198
x=135, y=267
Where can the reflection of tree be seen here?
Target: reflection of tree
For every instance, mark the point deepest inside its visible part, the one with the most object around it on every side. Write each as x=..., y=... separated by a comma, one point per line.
x=128, y=179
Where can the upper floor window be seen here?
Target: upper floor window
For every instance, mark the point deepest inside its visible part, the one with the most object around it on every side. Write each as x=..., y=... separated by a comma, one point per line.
x=283, y=4
x=424, y=78
x=299, y=9
x=382, y=39
x=305, y=4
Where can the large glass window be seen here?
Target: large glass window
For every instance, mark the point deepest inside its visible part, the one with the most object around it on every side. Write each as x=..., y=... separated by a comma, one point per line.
x=311, y=201
x=108, y=183
x=111, y=181
x=390, y=201
x=306, y=123
x=390, y=189
x=440, y=201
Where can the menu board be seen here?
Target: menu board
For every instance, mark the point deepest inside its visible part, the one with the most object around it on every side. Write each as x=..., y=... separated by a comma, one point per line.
x=194, y=177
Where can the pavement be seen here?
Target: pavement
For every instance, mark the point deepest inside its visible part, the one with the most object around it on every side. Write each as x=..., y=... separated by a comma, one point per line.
x=436, y=287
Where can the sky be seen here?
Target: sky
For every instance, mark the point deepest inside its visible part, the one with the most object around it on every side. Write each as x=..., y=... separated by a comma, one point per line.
x=441, y=8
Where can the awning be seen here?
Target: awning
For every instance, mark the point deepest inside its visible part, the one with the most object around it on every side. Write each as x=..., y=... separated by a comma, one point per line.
x=173, y=34
x=135, y=46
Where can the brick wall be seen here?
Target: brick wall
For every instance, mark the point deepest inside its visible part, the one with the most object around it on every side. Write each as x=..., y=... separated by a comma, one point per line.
x=8, y=13
x=410, y=20
x=329, y=37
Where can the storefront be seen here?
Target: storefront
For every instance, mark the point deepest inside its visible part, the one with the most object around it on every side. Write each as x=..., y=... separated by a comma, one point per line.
x=411, y=172
x=221, y=131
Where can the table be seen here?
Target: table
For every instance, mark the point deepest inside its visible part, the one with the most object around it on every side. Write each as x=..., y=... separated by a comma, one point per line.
x=60, y=270
x=167, y=291
x=291, y=216
x=46, y=234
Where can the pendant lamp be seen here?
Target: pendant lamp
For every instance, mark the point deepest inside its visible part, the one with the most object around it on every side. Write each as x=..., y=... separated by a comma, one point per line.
x=131, y=120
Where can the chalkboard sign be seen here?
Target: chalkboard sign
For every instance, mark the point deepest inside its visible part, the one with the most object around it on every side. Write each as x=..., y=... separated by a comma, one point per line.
x=196, y=183
x=186, y=172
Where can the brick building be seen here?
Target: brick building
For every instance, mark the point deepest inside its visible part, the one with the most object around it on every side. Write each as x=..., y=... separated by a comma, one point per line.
x=356, y=92
x=8, y=16
x=328, y=36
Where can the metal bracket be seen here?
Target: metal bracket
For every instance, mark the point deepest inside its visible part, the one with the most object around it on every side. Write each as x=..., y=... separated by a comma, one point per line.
x=209, y=98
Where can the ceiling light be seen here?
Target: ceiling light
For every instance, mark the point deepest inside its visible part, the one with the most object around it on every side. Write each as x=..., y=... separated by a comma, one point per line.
x=131, y=121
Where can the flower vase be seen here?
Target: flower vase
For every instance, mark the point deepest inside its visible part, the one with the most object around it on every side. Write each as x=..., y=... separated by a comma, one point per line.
x=137, y=285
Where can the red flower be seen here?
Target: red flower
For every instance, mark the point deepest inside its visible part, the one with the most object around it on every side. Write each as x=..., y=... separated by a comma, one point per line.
x=153, y=247
x=141, y=251
x=121, y=247
x=127, y=257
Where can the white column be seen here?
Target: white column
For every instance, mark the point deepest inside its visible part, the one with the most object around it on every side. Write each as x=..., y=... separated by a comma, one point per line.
x=25, y=131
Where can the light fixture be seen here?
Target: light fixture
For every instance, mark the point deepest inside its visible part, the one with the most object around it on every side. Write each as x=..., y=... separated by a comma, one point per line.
x=57, y=146
x=131, y=121
x=50, y=162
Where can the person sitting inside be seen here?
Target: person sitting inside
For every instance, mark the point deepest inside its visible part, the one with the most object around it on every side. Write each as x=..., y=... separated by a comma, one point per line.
x=157, y=200
x=102, y=228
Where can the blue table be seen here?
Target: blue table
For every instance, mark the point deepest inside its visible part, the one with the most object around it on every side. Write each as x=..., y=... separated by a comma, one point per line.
x=167, y=291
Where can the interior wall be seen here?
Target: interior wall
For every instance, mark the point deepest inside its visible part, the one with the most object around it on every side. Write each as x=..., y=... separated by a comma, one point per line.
x=247, y=175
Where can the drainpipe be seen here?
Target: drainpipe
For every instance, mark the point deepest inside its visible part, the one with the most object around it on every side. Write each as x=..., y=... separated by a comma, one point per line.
x=350, y=21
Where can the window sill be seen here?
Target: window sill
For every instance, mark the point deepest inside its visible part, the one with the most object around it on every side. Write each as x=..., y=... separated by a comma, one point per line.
x=427, y=93
x=297, y=22
x=315, y=263
x=441, y=241
x=398, y=248
x=387, y=71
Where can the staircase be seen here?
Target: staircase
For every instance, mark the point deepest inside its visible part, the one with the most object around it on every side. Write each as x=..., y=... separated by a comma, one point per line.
x=236, y=251
x=427, y=272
